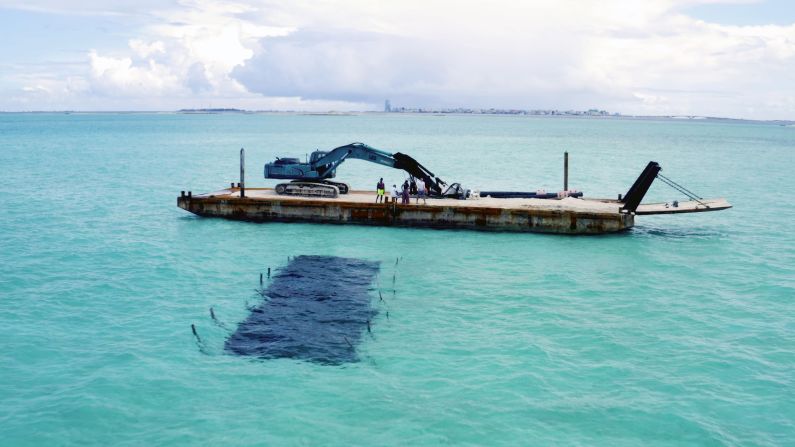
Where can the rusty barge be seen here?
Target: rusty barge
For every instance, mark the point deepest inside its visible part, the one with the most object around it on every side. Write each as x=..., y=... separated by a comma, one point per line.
x=568, y=214
x=564, y=216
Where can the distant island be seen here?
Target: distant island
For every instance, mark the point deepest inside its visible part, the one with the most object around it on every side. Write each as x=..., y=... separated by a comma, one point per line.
x=222, y=110
x=590, y=113
x=493, y=111
x=585, y=114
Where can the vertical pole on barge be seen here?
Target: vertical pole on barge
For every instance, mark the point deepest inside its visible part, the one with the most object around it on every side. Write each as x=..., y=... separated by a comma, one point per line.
x=565, y=171
x=242, y=172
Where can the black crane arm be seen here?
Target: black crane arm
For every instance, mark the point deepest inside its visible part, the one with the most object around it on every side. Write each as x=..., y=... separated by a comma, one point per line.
x=414, y=168
x=329, y=163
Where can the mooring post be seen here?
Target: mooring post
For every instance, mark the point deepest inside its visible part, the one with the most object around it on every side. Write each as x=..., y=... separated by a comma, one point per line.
x=242, y=172
x=260, y=279
x=565, y=171
x=269, y=272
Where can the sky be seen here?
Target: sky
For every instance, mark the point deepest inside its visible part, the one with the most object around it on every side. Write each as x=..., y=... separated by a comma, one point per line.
x=727, y=58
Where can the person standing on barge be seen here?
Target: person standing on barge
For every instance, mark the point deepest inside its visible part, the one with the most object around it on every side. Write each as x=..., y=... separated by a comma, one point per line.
x=380, y=189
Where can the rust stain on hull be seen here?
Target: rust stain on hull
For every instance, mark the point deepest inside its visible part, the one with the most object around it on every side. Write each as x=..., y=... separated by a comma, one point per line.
x=460, y=216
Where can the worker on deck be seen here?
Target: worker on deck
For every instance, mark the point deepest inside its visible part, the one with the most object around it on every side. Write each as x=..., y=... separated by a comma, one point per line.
x=380, y=188
x=421, y=191
x=395, y=193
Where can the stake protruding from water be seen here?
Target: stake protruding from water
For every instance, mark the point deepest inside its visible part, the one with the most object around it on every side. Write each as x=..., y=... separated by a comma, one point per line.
x=565, y=171
x=242, y=172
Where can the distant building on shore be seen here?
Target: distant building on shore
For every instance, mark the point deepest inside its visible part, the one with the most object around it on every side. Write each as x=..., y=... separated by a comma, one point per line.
x=492, y=111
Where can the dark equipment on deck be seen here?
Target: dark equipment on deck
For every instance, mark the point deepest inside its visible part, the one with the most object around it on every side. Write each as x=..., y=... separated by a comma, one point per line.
x=525, y=195
x=638, y=189
x=312, y=178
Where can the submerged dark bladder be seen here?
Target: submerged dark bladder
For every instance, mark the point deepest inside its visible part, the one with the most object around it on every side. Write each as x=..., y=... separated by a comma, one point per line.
x=317, y=309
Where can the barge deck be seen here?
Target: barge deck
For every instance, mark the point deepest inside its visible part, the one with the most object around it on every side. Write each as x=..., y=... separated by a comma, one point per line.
x=563, y=216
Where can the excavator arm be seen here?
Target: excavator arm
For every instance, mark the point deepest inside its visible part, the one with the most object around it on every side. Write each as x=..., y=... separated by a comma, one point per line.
x=327, y=164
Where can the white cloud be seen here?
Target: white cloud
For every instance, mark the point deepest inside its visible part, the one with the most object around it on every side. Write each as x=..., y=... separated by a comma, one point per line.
x=119, y=77
x=144, y=50
x=634, y=57
x=187, y=50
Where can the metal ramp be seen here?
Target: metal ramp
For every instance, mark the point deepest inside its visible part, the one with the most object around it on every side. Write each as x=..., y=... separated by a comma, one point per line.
x=691, y=206
x=633, y=197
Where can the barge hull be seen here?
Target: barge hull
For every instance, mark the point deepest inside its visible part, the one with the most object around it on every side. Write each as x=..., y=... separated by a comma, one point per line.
x=436, y=214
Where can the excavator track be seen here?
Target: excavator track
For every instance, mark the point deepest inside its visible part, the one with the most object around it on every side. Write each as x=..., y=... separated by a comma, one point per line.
x=308, y=189
x=343, y=187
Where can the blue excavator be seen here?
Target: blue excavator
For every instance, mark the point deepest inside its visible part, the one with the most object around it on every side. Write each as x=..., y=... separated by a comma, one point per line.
x=313, y=177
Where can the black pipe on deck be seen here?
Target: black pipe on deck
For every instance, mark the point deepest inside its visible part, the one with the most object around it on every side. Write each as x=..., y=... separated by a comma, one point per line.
x=525, y=195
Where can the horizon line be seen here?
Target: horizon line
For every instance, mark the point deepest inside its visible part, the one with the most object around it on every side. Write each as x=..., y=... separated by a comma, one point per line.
x=414, y=111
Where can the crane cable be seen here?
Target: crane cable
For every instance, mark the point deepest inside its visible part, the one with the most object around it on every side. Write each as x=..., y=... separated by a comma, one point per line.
x=690, y=194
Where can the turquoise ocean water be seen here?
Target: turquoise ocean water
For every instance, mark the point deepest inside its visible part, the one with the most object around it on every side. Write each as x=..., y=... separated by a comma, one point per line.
x=679, y=332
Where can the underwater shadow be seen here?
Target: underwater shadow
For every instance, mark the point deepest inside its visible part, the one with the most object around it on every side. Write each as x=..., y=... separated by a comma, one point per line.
x=317, y=309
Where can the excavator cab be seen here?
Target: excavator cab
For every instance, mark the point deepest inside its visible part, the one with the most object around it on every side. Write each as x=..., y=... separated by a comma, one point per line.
x=317, y=155
x=287, y=161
